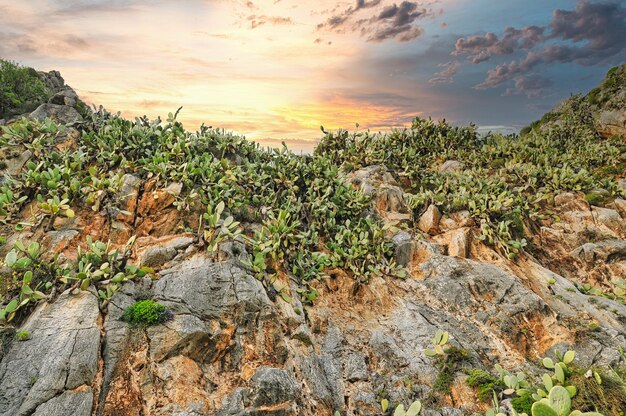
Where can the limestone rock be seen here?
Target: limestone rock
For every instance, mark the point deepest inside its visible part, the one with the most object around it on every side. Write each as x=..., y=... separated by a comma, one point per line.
x=606, y=251
x=61, y=355
x=53, y=80
x=65, y=96
x=404, y=248
x=273, y=386
x=610, y=218
x=429, y=221
x=459, y=243
x=450, y=166
x=612, y=123
x=620, y=206
x=60, y=113
x=68, y=403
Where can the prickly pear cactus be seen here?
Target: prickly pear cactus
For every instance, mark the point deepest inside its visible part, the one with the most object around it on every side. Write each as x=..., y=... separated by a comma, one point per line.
x=560, y=401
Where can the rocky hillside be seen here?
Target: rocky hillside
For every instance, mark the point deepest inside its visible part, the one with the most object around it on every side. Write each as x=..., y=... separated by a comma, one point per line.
x=153, y=271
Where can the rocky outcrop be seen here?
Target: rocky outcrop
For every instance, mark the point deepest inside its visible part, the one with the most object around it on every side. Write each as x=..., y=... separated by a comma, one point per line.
x=612, y=123
x=237, y=345
x=61, y=113
x=56, y=367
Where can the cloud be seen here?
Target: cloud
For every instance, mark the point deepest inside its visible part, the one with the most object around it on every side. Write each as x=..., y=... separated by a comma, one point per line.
x=256, y=21
x=395, y=21
x=591, y=34
x=446, y=75
x=529, y=85
x=480, y=48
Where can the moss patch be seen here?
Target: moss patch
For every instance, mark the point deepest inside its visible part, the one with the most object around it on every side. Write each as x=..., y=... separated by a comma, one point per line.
x=485, y=383
x=146, y=313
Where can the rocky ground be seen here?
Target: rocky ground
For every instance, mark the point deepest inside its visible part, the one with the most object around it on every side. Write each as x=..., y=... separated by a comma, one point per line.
x=232, y=348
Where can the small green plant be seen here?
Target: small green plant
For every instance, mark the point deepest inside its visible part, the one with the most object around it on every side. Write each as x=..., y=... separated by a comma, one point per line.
x=485, y=383
x=557, y=403
x=217, y=230
x=146, y=313
x=561, y=373
x=22, y=336
x=31, y=275
x=413, y=410
x=515, y=383
x=53, y=207
x=440, y=341
x=448, y=358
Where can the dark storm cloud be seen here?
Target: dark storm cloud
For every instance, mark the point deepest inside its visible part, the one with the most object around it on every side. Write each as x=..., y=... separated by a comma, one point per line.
x=591, y=34
x=396, y=21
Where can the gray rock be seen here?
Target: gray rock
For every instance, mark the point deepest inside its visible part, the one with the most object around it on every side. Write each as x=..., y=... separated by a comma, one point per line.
x=128, y=194
x=68, y=403
x=66, y=96
x=450, y=166
x=61, y=355
x=157, y=256
x=369, y=178
x=620, y=206
x=53, y=81
x=608, y=217
x=404, y=248
x=15, y=164
x=355, y=367
x=606, y=251
x=60, y=113
x=612, y=123
x=273, y=386
x=209, y=290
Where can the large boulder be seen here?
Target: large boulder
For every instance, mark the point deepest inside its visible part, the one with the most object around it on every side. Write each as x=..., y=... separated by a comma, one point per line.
x=612, y=123
x=62, y=114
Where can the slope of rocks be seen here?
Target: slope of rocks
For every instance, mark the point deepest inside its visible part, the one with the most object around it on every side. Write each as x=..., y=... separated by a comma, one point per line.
x=232, y=348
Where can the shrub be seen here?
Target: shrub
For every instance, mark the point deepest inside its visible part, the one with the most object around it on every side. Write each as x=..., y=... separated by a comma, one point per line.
x=20, y=88
x=146, y=313
x=22, y=336
x=523, y=403
x=486, y=383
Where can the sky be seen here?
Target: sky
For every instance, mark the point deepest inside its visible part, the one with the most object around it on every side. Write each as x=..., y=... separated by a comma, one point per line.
x=276, y=70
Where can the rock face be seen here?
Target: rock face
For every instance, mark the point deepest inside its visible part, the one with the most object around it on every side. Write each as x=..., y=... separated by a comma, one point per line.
x=232, y=349
x=56, y=368
x=612, y=123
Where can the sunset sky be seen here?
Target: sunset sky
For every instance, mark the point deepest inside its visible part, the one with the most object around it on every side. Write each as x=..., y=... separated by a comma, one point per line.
x=278, y=69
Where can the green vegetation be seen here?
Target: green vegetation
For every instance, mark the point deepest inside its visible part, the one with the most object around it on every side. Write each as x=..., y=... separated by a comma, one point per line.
x=508, y=183
x=34, y=278
x=485, y=383
x=312, y=220
x=146, y=313
x=594, y=391
x=22, y=336
x=20, y=88
x=448, y=359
